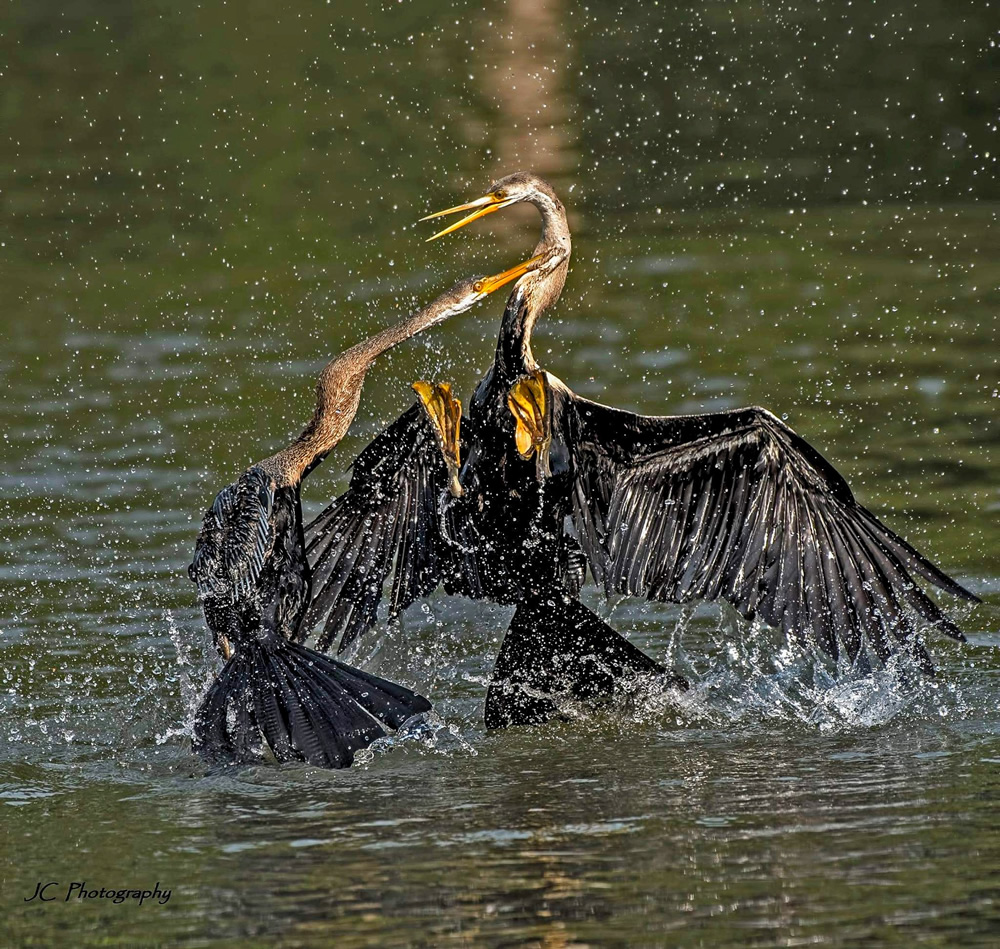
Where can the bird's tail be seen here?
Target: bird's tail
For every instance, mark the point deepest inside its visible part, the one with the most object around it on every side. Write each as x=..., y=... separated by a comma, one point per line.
x=302, y=705
x=557, y=646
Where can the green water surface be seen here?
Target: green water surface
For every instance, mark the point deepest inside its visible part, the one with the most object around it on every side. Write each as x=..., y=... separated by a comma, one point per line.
x=789, y=204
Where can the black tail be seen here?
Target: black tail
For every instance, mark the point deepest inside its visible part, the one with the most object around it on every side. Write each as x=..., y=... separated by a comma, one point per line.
x=305, y=706
x=555, y=645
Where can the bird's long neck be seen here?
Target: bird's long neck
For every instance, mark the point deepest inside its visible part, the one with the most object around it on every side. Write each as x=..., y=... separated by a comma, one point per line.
x=514, y=357
x=533, y=294
x=338, y=393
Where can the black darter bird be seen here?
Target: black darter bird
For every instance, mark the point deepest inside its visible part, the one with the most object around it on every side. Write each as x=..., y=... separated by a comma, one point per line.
x=254, y=582
x=541, y=483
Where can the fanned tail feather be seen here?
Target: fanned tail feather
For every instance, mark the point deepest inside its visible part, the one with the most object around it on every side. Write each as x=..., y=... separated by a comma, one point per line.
x=302, y=705
x=556, y=645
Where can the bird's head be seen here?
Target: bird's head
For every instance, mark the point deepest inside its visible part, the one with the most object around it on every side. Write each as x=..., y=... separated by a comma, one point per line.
x=468, y=292
x=513, y=189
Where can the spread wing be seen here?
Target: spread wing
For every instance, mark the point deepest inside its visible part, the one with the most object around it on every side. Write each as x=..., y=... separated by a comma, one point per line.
x=235, y=539
x=397, y=518
x=736, y=506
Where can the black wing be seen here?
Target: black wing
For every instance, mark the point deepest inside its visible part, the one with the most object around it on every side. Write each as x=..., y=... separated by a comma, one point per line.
x=236, y=538
x=396, y=516
x=736, y=506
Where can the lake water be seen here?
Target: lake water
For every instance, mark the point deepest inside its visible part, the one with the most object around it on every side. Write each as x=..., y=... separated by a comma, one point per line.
x=793, y=205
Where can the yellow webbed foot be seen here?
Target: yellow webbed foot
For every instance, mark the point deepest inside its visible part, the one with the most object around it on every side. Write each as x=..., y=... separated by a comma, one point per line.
x=445, y=415
x=224, y=646
x=529, y=403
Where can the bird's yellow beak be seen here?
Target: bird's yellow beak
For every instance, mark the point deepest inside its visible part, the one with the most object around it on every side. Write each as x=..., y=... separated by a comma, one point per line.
x=479, y=208
x=486, y=285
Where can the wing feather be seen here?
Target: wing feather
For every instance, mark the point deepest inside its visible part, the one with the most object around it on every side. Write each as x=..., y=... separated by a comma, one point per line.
x=236, y=538
x=386, y=526
x=737, y=506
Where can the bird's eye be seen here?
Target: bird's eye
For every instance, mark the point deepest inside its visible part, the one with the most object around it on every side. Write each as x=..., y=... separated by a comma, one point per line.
x=499, y=194
x=478, y=286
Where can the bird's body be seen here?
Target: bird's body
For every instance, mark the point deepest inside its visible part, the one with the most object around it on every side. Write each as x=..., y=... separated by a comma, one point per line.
x=730, y=506
x=518, y=505
x=249, y=560
x=255, y=585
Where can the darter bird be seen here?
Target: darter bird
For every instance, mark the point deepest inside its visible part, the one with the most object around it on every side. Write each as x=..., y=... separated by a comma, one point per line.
x=539, y=483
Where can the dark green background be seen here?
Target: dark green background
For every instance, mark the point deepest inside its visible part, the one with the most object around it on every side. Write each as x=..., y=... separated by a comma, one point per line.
x=790, y=204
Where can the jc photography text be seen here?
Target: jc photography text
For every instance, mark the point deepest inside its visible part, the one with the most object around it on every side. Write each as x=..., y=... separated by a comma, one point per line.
x=47, y=892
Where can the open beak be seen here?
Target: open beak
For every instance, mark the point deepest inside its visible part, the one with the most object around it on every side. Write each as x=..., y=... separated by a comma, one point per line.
x=479, y=208
x=488, y=284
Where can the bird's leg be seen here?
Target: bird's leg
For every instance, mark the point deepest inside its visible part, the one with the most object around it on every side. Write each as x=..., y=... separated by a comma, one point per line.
x=445, y=415
x=529, y=403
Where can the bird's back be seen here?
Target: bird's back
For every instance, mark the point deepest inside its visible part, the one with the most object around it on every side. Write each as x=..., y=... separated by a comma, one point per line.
x=249, y=562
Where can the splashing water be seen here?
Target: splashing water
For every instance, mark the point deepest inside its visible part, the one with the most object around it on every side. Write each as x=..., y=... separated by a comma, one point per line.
x=746, y=677
x=425, y=733
x=193, y=668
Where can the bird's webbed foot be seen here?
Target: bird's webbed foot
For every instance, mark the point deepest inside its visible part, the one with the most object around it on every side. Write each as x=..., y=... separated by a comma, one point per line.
x=444, y=412
x=530, y=404
x=223, y=646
